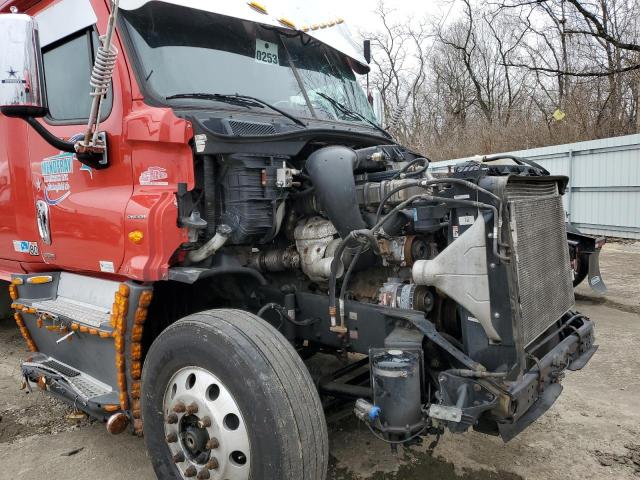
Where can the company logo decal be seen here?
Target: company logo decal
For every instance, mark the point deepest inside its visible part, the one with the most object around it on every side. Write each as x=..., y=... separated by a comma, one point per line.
x=55, y=172
x=154, y=176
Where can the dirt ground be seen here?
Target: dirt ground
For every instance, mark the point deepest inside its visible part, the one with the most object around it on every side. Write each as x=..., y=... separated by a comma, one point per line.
x=592, y=431
x=620, y=268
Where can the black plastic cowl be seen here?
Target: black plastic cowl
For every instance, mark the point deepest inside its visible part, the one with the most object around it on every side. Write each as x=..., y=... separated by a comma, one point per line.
x=331, y=172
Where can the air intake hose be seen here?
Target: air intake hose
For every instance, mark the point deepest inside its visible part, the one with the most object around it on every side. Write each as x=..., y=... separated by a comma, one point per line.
x=331, y=172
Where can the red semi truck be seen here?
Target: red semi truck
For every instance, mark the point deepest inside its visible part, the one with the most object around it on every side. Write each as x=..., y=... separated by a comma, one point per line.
x=196, y=196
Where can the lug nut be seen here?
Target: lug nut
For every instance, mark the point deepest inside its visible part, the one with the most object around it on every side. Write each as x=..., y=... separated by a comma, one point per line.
x=213, y=464
x=192, y=408
x=190, y=472
x=213, y=444
x=178, y=457
x=203, y=475
x=204, y=423
x=172, y=438
x=172, y=418
x=179, y=408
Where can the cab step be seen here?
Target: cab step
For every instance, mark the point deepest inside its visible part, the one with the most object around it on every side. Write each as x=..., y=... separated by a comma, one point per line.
x=76, y=387
x=86, y=337
x=78, y=298
x=90, y=315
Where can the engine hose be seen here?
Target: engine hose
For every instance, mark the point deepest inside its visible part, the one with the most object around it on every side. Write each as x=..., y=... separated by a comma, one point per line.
x=283, y=314
x=520, y=160
x=402, y=173
x=345, y=280
x=363, y=236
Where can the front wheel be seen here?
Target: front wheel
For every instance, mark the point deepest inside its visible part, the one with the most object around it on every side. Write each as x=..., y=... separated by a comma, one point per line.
x=225, y=396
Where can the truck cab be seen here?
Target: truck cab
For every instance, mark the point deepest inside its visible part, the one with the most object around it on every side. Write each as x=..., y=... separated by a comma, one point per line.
x=196, y=198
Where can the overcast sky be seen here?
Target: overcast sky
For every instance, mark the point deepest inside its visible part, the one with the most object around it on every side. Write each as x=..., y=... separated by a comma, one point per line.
x=359, y=16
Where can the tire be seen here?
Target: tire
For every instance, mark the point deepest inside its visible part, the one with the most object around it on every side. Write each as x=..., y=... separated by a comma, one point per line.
x=279, y=407
x=580, y=273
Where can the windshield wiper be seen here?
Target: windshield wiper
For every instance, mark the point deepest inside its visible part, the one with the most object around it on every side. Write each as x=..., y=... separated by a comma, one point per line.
x=236, y=99
x=353, y=113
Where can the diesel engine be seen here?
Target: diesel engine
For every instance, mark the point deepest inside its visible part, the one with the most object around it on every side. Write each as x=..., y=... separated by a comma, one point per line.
x=453, y=286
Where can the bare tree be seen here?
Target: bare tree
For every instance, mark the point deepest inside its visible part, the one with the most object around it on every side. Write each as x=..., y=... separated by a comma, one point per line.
x=510, y=75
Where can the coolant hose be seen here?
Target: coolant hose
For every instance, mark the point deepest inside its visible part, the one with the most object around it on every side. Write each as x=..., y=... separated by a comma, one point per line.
x=212, y=246
x=331, y=172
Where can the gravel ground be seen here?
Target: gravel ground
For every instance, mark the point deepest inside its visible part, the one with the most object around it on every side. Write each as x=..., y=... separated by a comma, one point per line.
x=592, y=431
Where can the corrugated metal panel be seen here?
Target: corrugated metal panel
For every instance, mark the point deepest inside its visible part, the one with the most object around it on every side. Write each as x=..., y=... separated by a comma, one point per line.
x=603, y=197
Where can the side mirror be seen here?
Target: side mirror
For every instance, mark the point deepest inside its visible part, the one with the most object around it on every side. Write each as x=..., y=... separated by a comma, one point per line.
x=367, y=50
x=378, y=106
x=22, y=92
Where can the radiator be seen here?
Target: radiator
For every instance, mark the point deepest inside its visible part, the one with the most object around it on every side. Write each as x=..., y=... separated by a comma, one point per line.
x=541, y=254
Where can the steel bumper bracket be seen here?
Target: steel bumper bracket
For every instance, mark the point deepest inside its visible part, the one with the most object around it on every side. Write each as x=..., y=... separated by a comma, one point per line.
x=582, y=360
x=508, y=431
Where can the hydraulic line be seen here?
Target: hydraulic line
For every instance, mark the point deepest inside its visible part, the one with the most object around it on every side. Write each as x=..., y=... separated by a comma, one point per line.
x=403, y=172
x=520, y=160
x=283, y=314
x=345, y=281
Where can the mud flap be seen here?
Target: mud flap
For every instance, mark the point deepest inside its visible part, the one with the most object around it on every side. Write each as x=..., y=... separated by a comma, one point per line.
x=508, y=431
x=595, y=278
x=582, y=360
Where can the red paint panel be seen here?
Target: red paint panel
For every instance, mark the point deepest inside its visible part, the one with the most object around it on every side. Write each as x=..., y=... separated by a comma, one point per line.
x=92, y=212
x=161, y=159
x=17, y=211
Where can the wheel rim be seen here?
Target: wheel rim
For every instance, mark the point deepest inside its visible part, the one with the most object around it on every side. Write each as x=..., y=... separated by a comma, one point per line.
x=204, y=427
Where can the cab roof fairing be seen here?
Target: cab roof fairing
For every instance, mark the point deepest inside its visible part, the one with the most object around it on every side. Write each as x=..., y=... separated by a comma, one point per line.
x=337, y=36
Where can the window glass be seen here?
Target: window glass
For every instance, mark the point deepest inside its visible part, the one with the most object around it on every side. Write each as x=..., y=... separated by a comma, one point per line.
x=67, y=67
x=184, y=50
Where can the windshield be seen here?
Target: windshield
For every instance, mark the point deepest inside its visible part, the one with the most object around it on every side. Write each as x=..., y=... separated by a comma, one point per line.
x=183, y=50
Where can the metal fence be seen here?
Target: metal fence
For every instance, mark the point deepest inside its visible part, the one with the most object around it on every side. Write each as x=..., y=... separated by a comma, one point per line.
x=603, y=197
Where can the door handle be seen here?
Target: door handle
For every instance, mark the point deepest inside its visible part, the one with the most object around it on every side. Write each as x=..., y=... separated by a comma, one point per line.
x=42, y=215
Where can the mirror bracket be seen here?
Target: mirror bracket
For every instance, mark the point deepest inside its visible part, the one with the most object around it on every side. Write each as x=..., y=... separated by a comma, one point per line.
x=95, y=158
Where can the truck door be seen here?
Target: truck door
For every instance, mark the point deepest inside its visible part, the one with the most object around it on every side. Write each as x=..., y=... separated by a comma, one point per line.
x=18, y=233
x=80, y=210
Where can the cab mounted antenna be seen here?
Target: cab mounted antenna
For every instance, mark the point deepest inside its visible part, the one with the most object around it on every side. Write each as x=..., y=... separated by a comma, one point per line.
x=101, y=75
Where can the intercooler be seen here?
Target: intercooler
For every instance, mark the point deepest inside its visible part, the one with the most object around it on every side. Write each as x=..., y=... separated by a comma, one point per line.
x=539, y=239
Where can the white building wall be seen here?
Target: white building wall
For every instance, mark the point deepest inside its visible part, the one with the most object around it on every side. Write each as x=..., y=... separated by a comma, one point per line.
x=603, y=197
